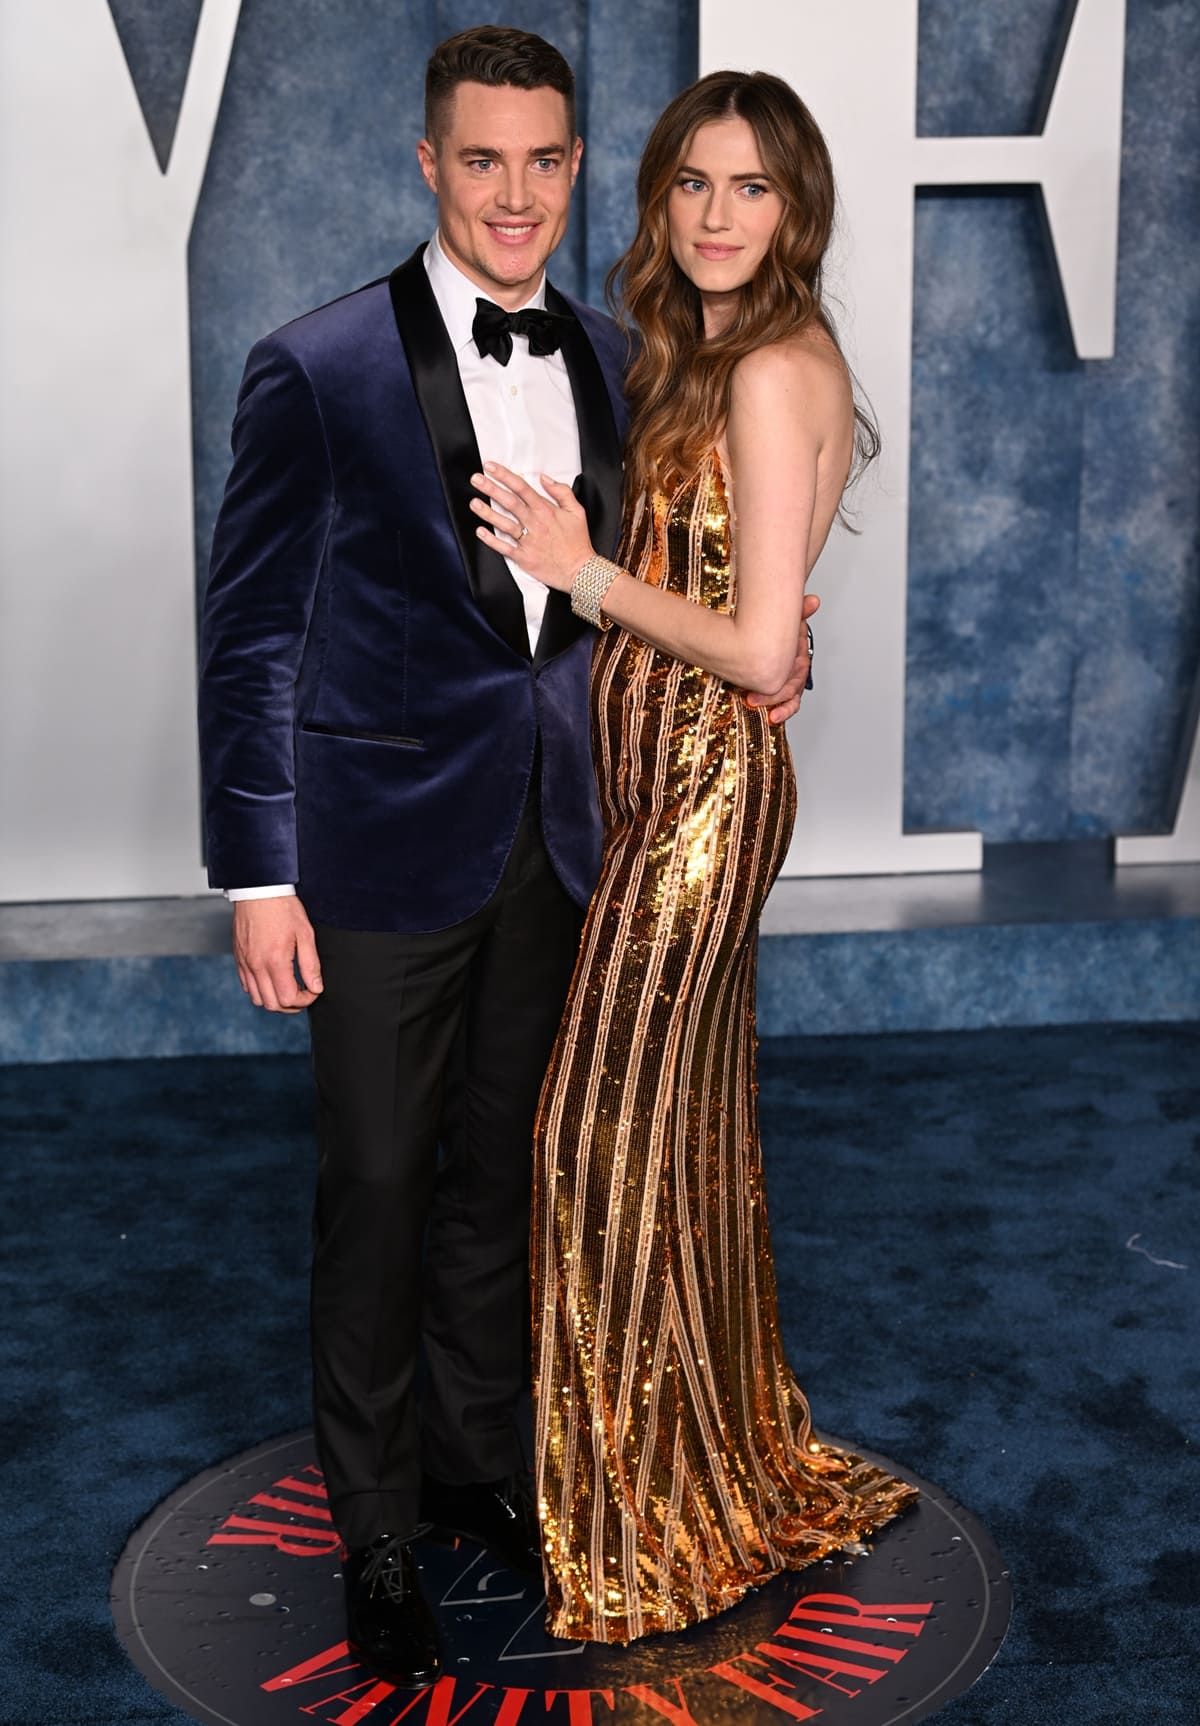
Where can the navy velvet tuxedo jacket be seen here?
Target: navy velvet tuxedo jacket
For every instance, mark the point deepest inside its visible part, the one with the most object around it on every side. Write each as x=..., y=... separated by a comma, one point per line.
x=369, y=709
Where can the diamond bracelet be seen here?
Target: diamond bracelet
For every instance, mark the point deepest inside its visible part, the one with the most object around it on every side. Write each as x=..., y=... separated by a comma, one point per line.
x=592, y=581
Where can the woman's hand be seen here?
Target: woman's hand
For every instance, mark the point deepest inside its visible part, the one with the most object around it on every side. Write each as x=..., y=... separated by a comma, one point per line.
x=786, y=701
x=550, y=538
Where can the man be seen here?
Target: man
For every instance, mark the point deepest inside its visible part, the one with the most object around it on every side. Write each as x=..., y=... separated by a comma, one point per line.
x=395, y=742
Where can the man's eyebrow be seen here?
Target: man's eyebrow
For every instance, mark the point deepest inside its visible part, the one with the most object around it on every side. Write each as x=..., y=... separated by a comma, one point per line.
x=498, y=155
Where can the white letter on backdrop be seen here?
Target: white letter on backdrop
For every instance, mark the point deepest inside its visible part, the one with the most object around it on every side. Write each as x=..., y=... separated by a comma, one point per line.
x=99, y=792
x=854, y=62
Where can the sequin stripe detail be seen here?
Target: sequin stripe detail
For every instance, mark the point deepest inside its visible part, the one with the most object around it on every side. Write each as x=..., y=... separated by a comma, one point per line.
x=694, y=1390
x=676, y=1464
x=618, y=1171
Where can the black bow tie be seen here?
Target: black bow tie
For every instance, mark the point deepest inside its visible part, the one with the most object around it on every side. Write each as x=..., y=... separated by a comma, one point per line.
x=494, y=328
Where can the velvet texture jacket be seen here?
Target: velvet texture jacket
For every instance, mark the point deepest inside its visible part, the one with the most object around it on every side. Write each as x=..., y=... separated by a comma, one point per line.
x=369, y=709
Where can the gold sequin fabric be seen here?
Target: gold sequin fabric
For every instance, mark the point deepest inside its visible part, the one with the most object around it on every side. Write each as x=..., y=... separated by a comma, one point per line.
x=676, y=1462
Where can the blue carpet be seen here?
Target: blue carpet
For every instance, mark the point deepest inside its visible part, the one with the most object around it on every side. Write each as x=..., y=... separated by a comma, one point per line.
x=951, y=1217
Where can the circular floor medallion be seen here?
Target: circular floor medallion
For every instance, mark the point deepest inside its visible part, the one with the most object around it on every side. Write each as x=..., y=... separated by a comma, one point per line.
x=228, y=1599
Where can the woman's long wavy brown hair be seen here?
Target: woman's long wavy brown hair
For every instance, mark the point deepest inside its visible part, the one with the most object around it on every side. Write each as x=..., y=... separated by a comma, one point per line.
x=679, y=382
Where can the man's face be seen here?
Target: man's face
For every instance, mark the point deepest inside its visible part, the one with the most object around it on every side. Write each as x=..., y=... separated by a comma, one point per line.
x=502, y=171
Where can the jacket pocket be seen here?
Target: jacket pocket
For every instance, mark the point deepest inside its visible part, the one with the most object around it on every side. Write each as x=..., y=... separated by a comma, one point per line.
x=364, y=736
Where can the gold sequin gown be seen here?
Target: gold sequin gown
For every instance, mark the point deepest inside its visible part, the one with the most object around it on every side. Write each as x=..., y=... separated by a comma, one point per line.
x=675, y=1460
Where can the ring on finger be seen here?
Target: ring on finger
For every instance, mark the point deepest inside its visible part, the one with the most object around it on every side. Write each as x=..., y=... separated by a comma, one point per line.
x=524, y=530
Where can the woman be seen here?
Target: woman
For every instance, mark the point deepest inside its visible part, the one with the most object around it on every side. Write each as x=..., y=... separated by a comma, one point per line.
x=676, y=1462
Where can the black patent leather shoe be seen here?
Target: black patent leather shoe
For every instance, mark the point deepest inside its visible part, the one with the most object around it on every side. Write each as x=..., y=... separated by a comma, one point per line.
x=389, y=1626
x=498, y=1514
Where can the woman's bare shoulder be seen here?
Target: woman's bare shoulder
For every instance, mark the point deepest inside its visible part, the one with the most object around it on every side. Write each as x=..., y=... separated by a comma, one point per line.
x=803, y=371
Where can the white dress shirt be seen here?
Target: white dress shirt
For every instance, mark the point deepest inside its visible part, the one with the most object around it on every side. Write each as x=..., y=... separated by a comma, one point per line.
x=523, y=414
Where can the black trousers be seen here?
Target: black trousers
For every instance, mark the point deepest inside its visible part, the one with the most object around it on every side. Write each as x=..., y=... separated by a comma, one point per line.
x=428, y=1056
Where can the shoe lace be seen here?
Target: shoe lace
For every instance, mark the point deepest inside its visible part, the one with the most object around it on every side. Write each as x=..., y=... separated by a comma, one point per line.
x=384, y=1569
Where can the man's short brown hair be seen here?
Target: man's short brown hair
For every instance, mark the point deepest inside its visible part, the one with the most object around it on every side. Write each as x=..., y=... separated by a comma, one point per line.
x=494, y=54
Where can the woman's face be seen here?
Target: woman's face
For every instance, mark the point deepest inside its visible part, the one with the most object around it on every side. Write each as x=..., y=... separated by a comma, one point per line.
x=722, y=212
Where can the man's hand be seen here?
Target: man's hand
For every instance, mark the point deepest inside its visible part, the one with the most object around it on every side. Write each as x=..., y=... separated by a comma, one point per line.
x=272, y=939
x=786, y=701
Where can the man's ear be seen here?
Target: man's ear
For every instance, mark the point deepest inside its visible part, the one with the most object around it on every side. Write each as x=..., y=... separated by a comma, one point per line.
x=576, y=153
x=427, y=157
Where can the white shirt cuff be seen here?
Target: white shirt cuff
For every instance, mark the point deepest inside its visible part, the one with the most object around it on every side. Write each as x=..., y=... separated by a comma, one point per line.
x=282, y=892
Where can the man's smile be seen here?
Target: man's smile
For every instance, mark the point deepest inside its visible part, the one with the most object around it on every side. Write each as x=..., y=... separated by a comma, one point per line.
x=512, y=232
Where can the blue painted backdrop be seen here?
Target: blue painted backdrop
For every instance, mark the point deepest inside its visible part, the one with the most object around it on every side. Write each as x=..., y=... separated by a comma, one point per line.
x=1055, y=586
x=1054, y=582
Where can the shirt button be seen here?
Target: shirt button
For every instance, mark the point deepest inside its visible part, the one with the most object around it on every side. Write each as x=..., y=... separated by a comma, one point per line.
x=512, y=389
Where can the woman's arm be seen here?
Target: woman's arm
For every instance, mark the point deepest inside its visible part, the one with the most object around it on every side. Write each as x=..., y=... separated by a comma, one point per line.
x=789, y=403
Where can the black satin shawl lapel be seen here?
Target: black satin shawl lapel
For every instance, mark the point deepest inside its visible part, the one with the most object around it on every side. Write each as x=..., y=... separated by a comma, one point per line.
x=443, y=404
x=599, y=485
